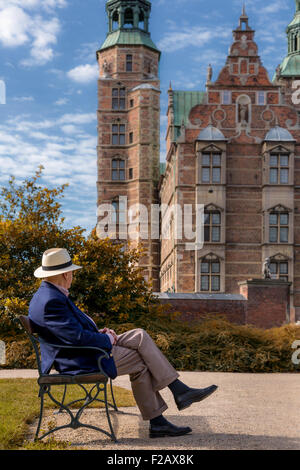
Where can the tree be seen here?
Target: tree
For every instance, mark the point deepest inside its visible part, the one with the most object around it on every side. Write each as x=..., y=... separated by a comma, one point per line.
x=31, y=222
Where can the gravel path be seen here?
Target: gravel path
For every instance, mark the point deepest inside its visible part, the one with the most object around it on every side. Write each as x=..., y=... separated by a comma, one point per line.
x=248, y=411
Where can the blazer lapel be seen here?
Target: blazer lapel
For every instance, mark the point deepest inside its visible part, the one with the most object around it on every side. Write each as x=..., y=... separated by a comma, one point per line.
x=82, y=315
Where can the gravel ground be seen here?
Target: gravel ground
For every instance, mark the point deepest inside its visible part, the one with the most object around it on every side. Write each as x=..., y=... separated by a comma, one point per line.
x=248, y=411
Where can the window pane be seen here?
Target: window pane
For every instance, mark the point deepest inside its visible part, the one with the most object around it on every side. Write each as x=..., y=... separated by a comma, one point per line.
x=216, y=218
x=115, y=163
x=216, y=175
x=115, y=103
x=273, y=219
x=205, y=175
x=122, y=139
x=206, y=159
x=115, y=92
x=261, y=97
x=216, y=234
x=122, y=128
x=122, y=175
x=122, y=103
x=274, y=160
x=284, y=219
x=115, y=128
x=205, y=267
x=273, y=176
x=216, y=159
x=273, y=234
x=215, y=283
x=122, y=92
x=122, y=164
x=206, y=218
x=273, y=268
x=115, y=175
x=284, y=235
x=283, y=268
x=215, y=267
x=284, y=176
x=115, y=139
x=284, y=160
x=207, y=233
x=204, y=283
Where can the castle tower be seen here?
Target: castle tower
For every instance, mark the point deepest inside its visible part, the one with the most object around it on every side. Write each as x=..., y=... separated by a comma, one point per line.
x=129, y=125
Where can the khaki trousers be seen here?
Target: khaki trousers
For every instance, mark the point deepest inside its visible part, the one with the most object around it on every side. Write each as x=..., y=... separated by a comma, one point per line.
x=136, y=354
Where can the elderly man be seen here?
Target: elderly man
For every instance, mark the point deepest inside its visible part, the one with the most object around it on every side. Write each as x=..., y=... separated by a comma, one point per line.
x=57, y=320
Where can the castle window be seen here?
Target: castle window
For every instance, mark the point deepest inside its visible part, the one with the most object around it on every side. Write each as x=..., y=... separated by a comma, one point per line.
x=118, y=169
x=226, y=97
x=131, y=103
x=212, y=226
x=280, y=270
x=141, y=20
x=279, y=227
x=131, y=137
x=261, y=98
x=211, y=168
x=128, y=63
x=210, y=275
x=118, y=98
x=118, y=134
x=279, y=168
x=130, y=173
x=128, y=18
x=115, y=20
x=119, y=212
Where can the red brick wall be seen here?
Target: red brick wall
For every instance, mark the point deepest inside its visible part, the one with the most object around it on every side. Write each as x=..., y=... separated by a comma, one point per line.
x=263, y=304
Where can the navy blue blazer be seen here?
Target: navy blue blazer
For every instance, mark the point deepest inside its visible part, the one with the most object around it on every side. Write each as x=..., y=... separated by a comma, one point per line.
x=57, y=320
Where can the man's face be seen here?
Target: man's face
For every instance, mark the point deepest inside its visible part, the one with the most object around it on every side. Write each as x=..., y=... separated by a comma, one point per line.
x=69, y=278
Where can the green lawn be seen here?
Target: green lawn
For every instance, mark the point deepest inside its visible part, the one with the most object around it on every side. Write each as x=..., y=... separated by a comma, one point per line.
x=19, y=406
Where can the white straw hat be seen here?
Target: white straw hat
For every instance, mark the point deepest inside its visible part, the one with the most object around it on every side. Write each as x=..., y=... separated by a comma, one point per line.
x=55, y=261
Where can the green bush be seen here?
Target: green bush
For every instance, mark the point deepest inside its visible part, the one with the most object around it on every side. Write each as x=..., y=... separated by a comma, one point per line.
x=214, y=345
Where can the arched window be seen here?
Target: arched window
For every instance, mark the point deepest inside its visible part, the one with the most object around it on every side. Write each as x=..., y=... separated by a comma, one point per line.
x=210, y=273
x=278, y=227
x=279, y=266
x=115, y=20
x=212, y=226
x=142, y=20
x=128, y=18
x=118, y=169
x=279, y=168
x=118, y=98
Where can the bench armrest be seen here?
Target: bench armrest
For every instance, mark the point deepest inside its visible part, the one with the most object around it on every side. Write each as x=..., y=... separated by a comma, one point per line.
x=94, y=348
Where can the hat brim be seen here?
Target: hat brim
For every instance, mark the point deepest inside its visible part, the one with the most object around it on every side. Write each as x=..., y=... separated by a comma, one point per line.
x=40, y=273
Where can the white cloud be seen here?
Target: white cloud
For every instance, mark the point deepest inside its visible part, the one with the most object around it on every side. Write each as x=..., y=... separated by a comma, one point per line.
x=23, y=99
x=188, y=36
x=61, y=102
x=84, y=73
x=19, y=26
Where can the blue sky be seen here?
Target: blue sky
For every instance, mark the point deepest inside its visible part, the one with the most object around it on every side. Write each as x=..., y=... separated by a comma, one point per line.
x=48, y=62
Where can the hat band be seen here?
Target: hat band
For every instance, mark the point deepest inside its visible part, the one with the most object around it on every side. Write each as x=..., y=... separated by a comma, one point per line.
x=55, y=268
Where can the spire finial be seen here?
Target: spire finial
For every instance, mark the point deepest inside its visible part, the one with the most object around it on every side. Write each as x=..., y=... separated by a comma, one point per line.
x=244, y=10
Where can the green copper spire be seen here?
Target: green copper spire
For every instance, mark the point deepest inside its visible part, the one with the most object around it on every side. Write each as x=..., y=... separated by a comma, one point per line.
x=290, y=66
x=128, y=23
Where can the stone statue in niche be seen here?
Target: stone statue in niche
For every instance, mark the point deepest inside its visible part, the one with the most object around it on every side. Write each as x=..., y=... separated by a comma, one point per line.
x=106, y=68
x=243, y=113
x=267, y=269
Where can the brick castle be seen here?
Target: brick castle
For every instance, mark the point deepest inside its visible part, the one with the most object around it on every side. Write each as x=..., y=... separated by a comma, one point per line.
x=233, y=148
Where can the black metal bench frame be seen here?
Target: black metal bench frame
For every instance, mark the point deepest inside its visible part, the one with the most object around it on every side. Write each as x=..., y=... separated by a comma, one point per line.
x=99, y=380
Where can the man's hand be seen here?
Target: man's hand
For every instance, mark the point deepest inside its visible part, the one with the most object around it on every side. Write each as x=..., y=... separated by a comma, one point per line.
x=111, y=332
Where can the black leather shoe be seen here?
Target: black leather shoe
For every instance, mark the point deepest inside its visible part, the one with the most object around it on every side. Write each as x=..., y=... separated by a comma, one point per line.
x=168, y=429
x=186, y=399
